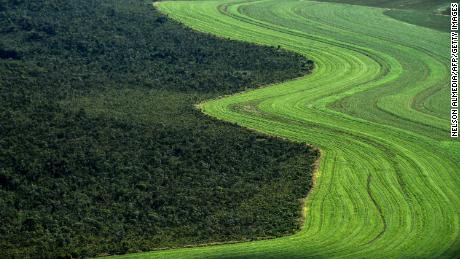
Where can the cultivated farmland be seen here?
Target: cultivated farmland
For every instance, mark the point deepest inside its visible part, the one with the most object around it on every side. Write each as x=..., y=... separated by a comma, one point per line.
x=376, y=105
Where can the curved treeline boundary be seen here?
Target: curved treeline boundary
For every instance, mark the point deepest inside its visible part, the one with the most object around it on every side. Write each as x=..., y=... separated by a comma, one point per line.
x=376, y=105
x=102, y=151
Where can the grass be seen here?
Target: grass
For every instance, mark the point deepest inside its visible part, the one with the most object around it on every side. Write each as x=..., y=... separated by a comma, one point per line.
x=377, y=106
x=427, y=13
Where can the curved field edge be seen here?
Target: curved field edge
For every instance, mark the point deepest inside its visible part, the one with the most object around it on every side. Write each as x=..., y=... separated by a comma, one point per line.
x=427, y=13
x=376, y=106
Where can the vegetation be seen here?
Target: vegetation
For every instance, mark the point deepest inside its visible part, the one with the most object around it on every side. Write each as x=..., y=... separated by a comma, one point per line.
x=446, y=11
x=101, y=150
x=397, y=4
x=418, y=12
x=377, y=105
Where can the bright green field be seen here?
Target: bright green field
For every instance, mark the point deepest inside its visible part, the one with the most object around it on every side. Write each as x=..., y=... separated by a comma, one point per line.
x=377, y=105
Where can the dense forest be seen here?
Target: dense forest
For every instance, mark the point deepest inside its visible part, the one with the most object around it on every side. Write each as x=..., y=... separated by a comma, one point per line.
x=101, y=150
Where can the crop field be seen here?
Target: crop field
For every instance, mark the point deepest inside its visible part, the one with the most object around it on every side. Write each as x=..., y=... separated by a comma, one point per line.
x=377, y=106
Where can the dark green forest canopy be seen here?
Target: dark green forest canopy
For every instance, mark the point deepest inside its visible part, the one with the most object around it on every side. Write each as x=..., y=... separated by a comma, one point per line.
x=101, y=151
